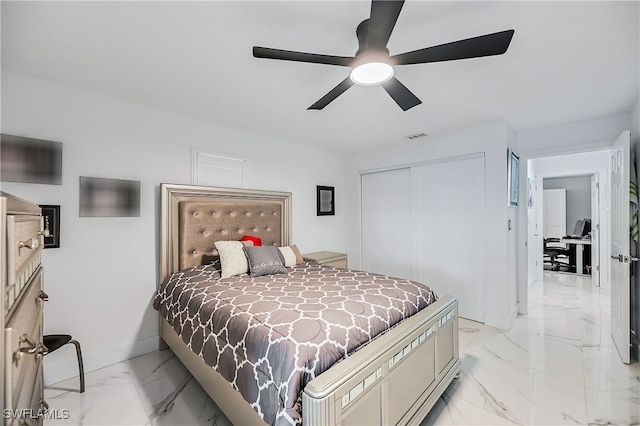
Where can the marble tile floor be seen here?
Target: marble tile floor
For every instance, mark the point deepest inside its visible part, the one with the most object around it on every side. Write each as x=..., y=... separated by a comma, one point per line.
x=557, y=365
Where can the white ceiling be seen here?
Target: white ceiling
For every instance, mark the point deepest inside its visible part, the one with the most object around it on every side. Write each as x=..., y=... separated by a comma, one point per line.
x=567, y=61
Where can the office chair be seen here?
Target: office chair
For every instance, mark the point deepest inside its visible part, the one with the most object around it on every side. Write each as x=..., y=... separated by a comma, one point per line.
x=555, y=254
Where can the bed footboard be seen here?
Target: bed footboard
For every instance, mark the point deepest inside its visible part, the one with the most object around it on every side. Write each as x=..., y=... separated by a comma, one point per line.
x=394, y=380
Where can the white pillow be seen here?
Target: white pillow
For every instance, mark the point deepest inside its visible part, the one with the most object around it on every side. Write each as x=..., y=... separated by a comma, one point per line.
x=233, y=261
x=291, y=255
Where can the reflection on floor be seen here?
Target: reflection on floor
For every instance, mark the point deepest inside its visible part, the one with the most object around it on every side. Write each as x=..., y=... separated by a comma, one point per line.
x=557, y=365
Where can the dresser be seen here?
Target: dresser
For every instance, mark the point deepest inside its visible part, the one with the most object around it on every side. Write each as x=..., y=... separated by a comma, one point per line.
x=329, y=258
x=22, y=300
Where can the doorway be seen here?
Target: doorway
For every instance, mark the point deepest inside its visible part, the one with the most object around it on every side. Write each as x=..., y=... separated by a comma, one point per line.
x=571, y=205
x=563, y=167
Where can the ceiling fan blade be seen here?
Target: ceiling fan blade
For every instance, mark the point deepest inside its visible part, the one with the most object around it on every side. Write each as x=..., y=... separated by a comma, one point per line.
x=334, y=93
x=288, y=55
x=486, y=45
x=383, y=17
x=403, y=96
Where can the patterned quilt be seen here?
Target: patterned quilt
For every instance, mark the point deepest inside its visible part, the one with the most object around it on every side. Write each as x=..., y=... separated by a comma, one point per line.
x=269, y=336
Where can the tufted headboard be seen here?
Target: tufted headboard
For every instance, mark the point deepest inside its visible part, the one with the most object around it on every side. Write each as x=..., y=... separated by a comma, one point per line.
x=193, y=218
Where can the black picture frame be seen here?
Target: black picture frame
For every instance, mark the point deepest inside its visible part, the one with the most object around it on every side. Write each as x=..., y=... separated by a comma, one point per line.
x=513, y=178
x=51, y=217
x=325, y=200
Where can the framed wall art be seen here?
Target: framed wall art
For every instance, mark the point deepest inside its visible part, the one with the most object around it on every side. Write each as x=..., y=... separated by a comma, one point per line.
x=51, y=216
x=325, y=196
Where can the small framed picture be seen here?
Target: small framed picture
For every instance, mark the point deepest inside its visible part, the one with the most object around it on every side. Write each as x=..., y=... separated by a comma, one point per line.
x=325, y=201
x=51, y=216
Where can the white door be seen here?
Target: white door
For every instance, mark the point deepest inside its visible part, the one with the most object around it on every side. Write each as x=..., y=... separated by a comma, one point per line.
x=595, y=230
x=386, y=222
x=539, y=228
x=532, y=237
x=620, y=256
x=452, y=231
x=555, y=213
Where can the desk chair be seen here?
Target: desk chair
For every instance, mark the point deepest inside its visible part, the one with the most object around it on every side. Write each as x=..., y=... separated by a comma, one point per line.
x=555, y=254
x=56, y=341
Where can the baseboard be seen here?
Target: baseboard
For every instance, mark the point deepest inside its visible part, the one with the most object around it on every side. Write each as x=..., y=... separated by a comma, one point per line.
x=63, y=364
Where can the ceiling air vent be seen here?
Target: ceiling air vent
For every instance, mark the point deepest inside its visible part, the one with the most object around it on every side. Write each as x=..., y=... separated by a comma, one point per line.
x=416, y=136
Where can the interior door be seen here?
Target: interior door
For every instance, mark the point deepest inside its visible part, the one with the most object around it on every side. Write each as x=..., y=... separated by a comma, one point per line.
x=595, y=230
x=620, y=256
x=555, y=213
x=539, y=228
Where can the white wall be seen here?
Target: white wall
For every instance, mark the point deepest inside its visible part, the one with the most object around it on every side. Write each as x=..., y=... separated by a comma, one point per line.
x=492, y=140
x=578, y=136
x=102, y=278
x=578, y=197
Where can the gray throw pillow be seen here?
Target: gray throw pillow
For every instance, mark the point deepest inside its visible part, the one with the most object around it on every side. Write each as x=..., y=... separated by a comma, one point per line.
x=264, y=260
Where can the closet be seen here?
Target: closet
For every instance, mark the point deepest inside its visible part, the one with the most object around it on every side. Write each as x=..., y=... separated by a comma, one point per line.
x=427, y=222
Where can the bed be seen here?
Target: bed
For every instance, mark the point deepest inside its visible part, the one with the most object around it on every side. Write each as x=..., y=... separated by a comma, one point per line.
x=395, y=378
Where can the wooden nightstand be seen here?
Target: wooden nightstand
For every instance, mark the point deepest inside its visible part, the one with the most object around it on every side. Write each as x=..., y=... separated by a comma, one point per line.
x=329, y=258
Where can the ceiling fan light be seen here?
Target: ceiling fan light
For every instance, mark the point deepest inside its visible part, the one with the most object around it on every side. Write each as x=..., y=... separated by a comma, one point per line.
x=371, y=73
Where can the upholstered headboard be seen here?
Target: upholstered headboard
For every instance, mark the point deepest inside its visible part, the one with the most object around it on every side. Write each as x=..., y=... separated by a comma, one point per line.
x=193, y=218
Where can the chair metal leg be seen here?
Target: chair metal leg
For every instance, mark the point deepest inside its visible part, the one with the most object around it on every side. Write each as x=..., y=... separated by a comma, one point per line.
x=80, y=364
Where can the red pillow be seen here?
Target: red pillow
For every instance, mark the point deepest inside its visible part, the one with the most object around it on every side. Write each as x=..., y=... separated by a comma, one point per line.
x=256, y=241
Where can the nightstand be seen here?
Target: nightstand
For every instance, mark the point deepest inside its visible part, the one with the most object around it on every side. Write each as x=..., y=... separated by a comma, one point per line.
x=329, y=258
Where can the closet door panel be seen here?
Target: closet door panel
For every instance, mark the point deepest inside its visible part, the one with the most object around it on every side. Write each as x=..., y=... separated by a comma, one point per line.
x=451, y=200
x=386, y=222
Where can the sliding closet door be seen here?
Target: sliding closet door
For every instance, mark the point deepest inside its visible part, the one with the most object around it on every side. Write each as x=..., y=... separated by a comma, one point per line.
x=451, y=198
x=386, y=222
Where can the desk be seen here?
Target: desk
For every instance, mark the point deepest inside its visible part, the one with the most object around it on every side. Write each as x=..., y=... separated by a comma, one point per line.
x=581, y=242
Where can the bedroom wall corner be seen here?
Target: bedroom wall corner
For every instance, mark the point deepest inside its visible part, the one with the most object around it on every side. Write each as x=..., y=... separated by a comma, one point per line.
x=102, y=279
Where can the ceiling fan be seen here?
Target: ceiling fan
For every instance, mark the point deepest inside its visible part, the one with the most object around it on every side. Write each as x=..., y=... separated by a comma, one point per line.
x=372, y=64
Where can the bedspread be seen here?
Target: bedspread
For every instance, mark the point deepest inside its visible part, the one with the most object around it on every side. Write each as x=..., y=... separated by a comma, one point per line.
x=269, y=336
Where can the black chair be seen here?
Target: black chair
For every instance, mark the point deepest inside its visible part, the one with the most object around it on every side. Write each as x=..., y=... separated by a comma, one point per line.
x=556, y=255
x=56, y=341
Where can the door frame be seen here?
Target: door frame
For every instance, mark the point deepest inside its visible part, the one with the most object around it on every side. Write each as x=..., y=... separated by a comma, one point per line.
x=596, y=259
x=524, y=246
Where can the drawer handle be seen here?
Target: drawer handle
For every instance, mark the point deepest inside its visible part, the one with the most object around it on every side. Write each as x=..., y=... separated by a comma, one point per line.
x=31, y=244
x=43, y=296
x=31, y=345
x=32, y=348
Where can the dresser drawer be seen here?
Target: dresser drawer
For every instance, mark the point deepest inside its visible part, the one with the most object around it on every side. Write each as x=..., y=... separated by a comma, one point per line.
x=23, y=346
x=24, y=248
